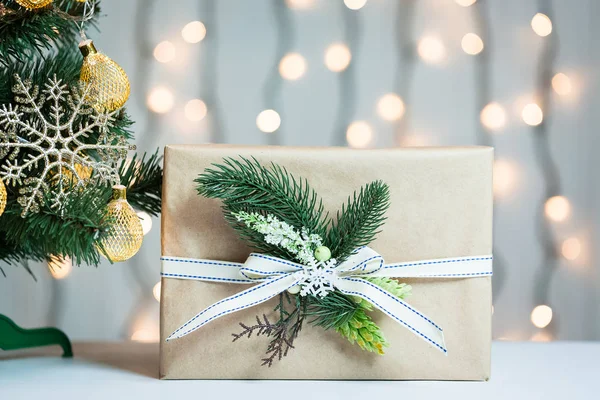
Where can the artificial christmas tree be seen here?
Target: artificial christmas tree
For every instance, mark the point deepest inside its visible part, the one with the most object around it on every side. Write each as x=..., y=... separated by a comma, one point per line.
x=64, y=139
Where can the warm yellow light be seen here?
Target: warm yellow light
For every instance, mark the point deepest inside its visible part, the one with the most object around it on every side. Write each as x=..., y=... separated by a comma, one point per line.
x=193, y=32
x=60, y=267
x=164, y=52
x=292, y=66
x=160, y=100
x=465, y=3
x=493, y=116
x=541, y=337
x=541, y=24
x=557, y=208
x=561, y=84
x=532, y=114
x=195, y=110
x=415, y=140
x=268, y=121
x=431, y=49
x=359, y=134
x=505, y=177
x=300, y=4
x=571, y=249
x=472, y=44
x=156, y=291
x=355, y=4
x=145, y=336
x=337, y=57
x=390, y=107
x=541, y=316
x=146, y=221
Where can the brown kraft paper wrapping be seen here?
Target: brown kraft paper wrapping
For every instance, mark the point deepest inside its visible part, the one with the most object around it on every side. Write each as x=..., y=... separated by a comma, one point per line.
x=441, y=206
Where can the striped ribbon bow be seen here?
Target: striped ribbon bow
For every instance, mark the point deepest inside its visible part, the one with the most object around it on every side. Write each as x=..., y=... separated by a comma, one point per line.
x=275, y=275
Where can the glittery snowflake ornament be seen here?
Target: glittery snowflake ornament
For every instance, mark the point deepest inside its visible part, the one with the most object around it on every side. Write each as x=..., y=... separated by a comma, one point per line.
x=53, y=139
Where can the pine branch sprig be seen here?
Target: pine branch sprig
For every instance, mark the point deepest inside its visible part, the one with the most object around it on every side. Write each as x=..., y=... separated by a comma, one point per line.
x=360, y=219
x=143, y=179
x=246, y=185
x=28, y=34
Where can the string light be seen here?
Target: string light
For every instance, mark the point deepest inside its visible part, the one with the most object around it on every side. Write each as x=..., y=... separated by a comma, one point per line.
x=145, y=336
x=541, y=337
x=300, y=4
x=431, y=49
x=146, y=221
x=60, y=267
x=194, y=32
x=416, y=140
x=292, y=66
x=532, y=114
x=505, y=173
x=160, y=100
x=145, y=328
x=337, y=57
x=164, y=52
x=268, y=121
x=156, y=291
x=472, y=44
x=541, y=316
x=561, y=84
x=557, y=208
x=359, y=134
x=195, y=110
x=465, y=3
x=355, y=4
x=571, y=249
x=541, y=24
x=390, y=107
x=493, y=116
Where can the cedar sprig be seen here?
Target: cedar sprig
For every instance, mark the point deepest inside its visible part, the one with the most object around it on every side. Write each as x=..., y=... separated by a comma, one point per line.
x=283, y=332
x=360, y=219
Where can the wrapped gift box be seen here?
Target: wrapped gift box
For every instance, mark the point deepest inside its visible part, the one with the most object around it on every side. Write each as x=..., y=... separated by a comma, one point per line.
x=441, y=206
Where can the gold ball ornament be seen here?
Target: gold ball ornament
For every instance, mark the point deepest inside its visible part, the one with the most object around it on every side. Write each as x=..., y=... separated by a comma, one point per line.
x=106, y=82
x=3, y=197
x=33, y=4
x=124, y=238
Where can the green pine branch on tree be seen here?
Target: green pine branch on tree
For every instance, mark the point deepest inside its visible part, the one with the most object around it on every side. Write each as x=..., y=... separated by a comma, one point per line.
x=33, y=34
x=76, y=228
x=37, y=45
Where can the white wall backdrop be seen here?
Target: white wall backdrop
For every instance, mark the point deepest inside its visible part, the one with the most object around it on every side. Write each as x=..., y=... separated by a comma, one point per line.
x=229, y=70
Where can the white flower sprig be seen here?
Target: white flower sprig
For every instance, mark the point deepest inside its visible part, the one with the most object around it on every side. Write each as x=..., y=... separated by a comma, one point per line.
x=301, y=244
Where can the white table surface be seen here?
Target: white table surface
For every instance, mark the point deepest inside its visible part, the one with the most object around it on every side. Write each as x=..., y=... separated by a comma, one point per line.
x=558, y=370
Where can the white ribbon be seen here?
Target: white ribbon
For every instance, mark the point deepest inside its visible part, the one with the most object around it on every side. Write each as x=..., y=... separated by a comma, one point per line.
x=276, y=275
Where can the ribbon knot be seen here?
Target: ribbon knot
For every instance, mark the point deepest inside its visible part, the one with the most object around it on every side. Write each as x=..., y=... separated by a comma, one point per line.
x=275, y=275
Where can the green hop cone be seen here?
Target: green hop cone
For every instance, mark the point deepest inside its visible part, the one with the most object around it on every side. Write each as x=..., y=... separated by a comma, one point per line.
x=400, y=290
x=364, y=332
x=360, y=329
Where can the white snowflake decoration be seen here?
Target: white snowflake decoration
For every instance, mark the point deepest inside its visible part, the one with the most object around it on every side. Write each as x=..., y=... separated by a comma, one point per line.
x=56, y=145
x=318, y=278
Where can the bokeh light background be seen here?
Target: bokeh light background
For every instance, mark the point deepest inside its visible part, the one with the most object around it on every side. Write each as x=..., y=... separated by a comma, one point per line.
x=366, y=73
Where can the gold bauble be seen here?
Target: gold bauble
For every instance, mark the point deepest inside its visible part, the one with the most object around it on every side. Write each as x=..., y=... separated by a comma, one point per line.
x=124, y=237
x=107, y=83
x=33, y=4
x=3, y=197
